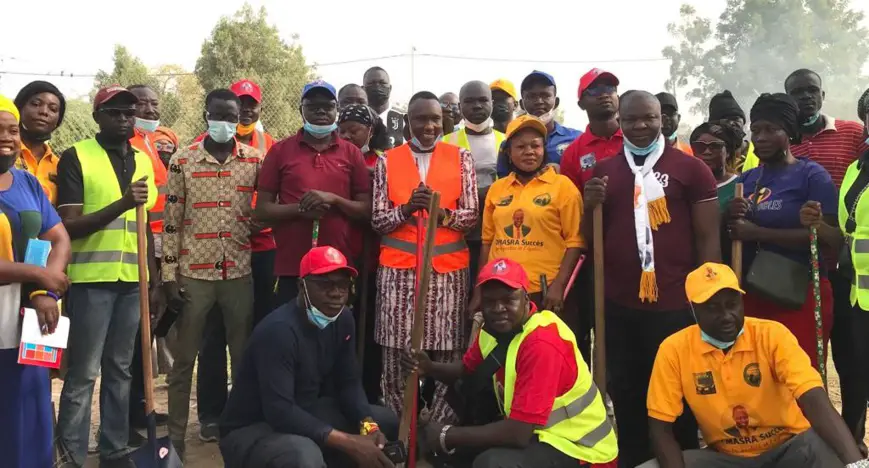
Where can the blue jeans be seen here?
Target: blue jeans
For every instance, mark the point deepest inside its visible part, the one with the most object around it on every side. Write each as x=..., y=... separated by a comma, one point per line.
x=104, y=319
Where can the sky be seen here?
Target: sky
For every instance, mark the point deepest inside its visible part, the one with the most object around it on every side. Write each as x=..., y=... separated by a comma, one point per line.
x=565, y=38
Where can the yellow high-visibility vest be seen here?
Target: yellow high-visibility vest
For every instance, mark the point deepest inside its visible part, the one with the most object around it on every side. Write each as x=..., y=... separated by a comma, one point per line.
x=109, y=254
x=858, y=241
x=578, y=424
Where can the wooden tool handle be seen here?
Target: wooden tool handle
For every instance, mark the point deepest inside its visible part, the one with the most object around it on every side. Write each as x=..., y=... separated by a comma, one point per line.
x=144, y=306
x=599, y=315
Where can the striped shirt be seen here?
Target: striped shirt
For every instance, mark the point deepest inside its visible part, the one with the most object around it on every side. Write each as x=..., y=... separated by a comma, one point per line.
x=835, y=147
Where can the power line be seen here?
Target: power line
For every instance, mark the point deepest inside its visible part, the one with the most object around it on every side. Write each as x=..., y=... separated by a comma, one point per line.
x=521, y=60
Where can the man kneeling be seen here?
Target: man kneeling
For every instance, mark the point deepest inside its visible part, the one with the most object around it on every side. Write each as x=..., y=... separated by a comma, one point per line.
x=746, y=380
x=298, y=400
x=555, y=416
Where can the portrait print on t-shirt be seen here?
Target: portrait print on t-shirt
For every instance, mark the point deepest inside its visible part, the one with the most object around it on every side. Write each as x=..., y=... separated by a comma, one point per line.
x=748, y=434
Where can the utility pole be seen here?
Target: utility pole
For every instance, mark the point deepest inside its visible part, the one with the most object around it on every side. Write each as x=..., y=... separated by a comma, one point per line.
x=412, y=70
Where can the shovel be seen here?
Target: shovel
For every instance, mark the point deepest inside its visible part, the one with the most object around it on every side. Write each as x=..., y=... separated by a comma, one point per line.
x=156, y=453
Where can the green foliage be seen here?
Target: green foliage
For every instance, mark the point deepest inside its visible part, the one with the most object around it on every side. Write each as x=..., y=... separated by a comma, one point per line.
x=128, y=70
x=78, y=124
x=756, y=44
x=246, y=46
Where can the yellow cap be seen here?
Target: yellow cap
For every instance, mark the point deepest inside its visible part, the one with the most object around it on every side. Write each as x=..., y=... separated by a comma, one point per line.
x=707, y=280
x=505, y=85
x=6, y=105
x=525, y=121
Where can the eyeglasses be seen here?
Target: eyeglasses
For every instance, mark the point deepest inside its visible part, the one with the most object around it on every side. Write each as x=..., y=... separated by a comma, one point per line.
x=328, y=284
x=700, y=147
x=599, y=90
x=114, y=112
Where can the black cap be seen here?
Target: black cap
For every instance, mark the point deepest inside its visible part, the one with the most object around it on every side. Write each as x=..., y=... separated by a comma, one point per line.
x=38, y=87
x=667, y=100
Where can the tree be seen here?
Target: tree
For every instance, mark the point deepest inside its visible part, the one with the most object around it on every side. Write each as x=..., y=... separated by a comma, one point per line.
x=78, y=124
x=128, y=70
x=246, y=46
x=756, y=44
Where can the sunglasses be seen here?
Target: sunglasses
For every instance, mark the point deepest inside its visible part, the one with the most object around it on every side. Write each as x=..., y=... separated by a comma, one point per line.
x=114, y=112
x=328, y=285
x=599, y=90
x=700, y=147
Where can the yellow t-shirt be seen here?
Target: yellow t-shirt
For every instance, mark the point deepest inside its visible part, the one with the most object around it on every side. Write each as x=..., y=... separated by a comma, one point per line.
x=745, y=401
x=45, y=169
x=533, y=224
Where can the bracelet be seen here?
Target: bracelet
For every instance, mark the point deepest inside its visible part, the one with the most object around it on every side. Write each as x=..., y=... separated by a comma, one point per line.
x=443, y=439
x=368, y=427
x=43, y=292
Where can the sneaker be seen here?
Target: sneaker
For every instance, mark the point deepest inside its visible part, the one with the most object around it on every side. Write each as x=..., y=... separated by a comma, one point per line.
x=209, y=433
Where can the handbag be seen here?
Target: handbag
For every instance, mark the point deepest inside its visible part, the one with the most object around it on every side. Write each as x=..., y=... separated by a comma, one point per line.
x=775, y=277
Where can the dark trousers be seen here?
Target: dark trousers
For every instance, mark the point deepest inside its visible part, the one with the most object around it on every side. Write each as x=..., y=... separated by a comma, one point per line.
x=263, y=275
x=850, y=363
x=288, y=289
x=632, y=341
x=259, y=446
x=372, y=360
x=211, y=375
x=535, y=455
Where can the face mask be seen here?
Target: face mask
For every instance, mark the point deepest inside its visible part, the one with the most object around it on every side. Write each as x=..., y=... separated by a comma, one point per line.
x=637, y=151
x=147, y=126
x=319, y=319
x=415, y=142
x=812, y=120
x=672, y=138
x=722, y=345
x=319, y=131
x=220, y=131
x=6, y=163
x=547, y=117
x=32, y=136
x=245, y=130
x=480, y=127
x=866, y=141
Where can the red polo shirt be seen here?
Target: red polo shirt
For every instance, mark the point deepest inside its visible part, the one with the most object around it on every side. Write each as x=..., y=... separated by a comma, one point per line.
x=580, y=158
x=291, y=168
x=835, y=147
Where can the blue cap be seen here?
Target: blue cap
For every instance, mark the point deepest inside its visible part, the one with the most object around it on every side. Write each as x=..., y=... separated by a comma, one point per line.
x=319, y=84
x=536, y=74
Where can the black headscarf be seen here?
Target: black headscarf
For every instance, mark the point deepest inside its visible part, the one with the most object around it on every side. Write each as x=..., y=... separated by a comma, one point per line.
x=38, y=87
x=780, y=109
x=731, y=136
x=863, y=106
x=724, y=105
x=356, y=113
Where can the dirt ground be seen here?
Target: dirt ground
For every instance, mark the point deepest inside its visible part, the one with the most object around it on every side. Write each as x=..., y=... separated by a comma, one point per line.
x=202, y=455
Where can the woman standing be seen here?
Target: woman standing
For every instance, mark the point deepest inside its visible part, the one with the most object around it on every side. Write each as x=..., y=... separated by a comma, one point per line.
x=776, y=257
x=532, y=216
x=25, y=214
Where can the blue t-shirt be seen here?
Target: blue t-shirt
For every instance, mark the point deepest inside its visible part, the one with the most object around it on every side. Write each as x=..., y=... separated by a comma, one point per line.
x=25, y=213
x=782, y=193
x=556, y=142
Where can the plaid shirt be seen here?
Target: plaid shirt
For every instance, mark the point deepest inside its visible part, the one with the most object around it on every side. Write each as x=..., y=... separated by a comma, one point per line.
x=206, y=232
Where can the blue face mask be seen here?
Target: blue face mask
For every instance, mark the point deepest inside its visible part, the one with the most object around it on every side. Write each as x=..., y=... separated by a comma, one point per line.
x=866, y=140
x=147, y=126
x=638, y=151
x=319, y=319
x=722, y=345
x=672, y=138
x=415, y=142
x=319, y=131
x=220, y=131
x=812, y=120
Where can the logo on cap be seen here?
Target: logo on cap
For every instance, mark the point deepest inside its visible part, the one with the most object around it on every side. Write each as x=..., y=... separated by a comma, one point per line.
x=595, y=71
x=246, y=87
x=711, y=274
x=332, y=255
x=499, y=267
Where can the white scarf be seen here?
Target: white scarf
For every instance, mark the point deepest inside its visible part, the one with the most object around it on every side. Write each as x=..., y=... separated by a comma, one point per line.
x=647, y=189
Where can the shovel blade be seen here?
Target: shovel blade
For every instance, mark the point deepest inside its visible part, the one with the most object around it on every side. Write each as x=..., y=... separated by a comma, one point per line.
x=157, y=453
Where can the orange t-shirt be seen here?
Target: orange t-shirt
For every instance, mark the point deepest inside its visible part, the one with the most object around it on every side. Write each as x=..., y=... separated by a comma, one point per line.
x=745, y=401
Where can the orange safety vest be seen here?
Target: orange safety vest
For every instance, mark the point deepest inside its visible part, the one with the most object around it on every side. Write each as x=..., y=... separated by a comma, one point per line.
x=143, y=143
x=398, y=248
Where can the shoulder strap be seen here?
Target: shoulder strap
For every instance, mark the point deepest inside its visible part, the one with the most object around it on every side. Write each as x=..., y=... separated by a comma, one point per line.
x=484, y=372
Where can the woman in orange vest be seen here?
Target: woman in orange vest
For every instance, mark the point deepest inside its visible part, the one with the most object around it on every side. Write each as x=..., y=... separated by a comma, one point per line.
x=404, y=181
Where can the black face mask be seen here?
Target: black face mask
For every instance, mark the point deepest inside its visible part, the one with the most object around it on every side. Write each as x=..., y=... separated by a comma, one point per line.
x=6, y=163
x=377, y=94
x=500, y=113
x=33, y=137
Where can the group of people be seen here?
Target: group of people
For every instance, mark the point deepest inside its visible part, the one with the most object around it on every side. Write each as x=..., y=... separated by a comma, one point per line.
x=277, y=249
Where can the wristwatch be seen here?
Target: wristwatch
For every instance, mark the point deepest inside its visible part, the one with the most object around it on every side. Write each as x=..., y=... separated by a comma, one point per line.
x=443, y=439
x=858, y=464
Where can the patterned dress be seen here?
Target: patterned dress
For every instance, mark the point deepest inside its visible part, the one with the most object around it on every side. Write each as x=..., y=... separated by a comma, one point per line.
x=445, y=330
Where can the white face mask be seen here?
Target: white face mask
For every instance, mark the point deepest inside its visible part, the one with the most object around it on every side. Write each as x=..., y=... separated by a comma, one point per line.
x=480, y=127
x=547, y=117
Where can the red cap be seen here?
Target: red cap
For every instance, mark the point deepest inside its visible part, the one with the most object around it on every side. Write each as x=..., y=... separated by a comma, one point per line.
x=322, y=260
x=506, y=271
x=593, y=75
x=247, y=88
x=110, y=92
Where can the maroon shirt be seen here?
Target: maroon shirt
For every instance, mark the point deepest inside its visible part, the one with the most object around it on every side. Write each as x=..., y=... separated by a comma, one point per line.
x=291, y=168
x=686, y=181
